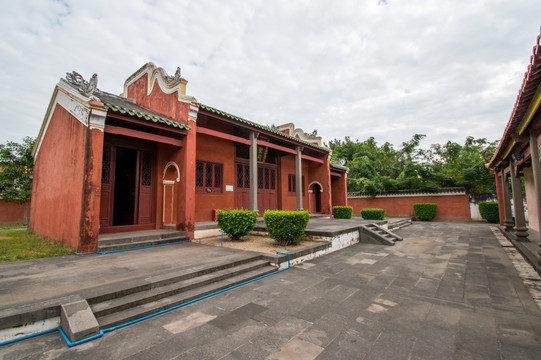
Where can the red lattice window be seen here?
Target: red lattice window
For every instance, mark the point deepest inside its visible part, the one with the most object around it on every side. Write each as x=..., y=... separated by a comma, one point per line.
x=146, y=170
x=240, y=175
x=199, y=174
x=208, y=177
x=247, y=176
x=106, y=165
x=260, y=178
x=292, y=184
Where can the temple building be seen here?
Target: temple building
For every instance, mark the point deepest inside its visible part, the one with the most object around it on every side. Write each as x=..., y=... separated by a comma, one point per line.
x=155, y=157
x=517, y=157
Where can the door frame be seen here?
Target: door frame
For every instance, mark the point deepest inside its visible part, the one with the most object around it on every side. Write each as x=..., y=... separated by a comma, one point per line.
x=141, y=147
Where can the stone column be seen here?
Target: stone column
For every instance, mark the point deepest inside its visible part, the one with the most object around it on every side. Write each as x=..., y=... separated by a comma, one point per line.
x=521, y=231
x=536, y=169
x=508, y=223
x=298, y=178
x=253, y=171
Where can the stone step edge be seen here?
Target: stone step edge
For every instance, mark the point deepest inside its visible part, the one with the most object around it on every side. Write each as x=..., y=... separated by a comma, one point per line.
x=156, y=293
x=139, y=312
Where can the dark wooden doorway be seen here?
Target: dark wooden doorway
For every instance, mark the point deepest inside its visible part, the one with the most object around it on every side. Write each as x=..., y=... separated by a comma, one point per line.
x=127, y=189
x=316, y=198
x=267, y=186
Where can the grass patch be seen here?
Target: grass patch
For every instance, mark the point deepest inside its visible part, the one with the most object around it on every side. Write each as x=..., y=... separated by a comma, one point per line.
x=12, y=226
x=23, y=245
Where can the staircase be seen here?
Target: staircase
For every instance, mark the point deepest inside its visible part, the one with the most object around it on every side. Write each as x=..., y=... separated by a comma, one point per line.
x=139, y=239
x=398, y=224
x=380, y=234
x=162, y=292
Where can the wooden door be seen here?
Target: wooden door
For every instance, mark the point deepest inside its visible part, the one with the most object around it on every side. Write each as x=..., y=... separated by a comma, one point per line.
x=145, y=203
x=242, y=192
x=267, y=196
x=107, y=186
x=128, y=189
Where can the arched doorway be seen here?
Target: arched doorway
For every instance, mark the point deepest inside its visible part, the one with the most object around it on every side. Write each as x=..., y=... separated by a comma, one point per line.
x=171, y=173
x=315, y=198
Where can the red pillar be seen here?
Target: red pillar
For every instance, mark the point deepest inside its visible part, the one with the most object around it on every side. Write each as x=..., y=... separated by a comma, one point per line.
x=186, y=196
x=90, y=210
x=498, y=178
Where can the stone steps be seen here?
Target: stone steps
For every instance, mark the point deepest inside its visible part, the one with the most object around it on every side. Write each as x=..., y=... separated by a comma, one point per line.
x=133, y=240
x=380, y=234
x=398, y=224
x=168, y=291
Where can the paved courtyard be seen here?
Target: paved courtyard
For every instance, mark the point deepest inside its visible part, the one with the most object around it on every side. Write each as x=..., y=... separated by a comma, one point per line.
x=448, y=291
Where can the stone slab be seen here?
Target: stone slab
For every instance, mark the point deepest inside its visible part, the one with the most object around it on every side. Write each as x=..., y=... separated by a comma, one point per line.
x=77, y=320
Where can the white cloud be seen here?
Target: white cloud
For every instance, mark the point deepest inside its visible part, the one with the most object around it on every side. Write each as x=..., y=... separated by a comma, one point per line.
x=448, y=69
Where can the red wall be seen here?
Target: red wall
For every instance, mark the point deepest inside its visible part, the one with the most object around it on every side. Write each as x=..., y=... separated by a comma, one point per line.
x=449, y=206
x=339, y=191
x=11, y=212
x=287, y=166
x=320, y=173
x=57, y=190
x=213, y=149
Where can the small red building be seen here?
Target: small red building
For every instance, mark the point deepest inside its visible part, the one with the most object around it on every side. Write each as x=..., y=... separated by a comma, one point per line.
x=154, y=156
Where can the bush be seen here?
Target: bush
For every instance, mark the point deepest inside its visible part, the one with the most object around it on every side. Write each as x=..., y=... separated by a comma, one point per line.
x=425, y=211
x=237, y=223
x=489, y=211
x=342, y=212
x=373, y=214
x=286, y=227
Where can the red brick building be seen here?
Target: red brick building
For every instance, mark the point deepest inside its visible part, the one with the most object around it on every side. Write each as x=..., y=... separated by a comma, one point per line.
x=154, y=156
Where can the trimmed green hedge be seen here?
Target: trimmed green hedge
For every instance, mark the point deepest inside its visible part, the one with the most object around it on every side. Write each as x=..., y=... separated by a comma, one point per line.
x=237, y=223
x=489, y=211
x=342, y=212
x=286, y=227
x=373, y=214
x=425, y=211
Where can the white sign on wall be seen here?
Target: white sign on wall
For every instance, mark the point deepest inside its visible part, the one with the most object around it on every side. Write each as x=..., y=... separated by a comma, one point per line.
x=229, y=188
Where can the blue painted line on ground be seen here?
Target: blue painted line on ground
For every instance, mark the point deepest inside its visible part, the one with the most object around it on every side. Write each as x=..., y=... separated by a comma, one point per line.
x=130, y=249
x=103, y=331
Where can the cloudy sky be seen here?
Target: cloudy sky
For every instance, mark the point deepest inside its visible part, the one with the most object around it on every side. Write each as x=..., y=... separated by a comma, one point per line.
x=359, y=68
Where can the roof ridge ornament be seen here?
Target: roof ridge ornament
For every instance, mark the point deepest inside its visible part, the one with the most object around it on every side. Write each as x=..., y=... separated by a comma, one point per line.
x=86, y=88
x=172, y=78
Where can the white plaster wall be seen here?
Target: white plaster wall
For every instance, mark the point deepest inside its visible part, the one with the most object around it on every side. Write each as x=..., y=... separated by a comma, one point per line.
x=29, y=329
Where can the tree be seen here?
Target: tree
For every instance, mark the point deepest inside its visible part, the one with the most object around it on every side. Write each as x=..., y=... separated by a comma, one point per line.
x=455, y=165
x=16, y=167
x=374, y=168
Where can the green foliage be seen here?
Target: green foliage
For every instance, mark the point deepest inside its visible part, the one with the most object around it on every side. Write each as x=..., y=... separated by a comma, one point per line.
x=375, y=169
x=342, y=212
x=286, y=227
x=373, y=214
x=425, y=211
x=23, y=245
x=237, y=223
x=16, y=167
x=489, y=211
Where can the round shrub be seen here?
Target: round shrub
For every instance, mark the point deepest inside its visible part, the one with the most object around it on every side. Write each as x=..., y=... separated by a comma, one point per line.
x=286, y=227
x=425, y=211
x=489, y=211
x=237, y=223
x=373, y=214
x=342, y=212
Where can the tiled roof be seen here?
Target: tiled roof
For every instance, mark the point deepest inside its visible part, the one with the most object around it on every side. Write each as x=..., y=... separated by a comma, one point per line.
x=338, y=166
x=259, y=126
x=530, y=84
x=128, y=106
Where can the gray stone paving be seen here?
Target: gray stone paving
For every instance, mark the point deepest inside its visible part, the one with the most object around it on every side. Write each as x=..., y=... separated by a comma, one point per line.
x=448, y=291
